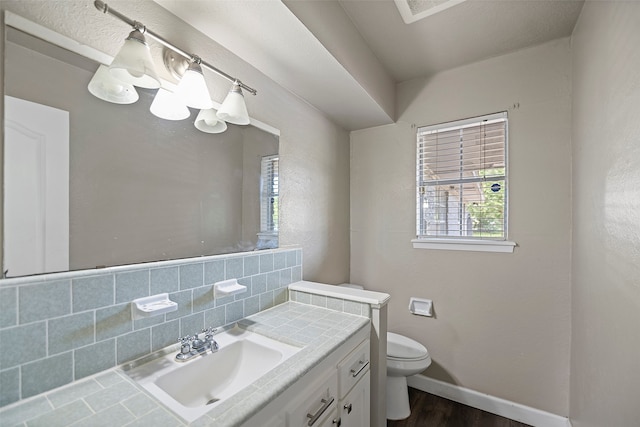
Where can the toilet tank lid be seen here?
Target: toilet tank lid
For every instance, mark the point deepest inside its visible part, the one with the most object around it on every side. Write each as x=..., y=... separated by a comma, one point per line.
x=402, y=347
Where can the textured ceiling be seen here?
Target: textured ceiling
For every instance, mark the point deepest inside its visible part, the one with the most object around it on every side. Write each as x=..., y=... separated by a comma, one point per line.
x=268, y=36
x=345, y=56
x=465, y=33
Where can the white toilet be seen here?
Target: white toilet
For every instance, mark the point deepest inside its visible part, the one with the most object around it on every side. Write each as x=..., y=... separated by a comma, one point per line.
x=405, y=357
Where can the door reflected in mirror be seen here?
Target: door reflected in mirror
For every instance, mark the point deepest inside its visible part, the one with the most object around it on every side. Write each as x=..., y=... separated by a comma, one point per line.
x=138, y=188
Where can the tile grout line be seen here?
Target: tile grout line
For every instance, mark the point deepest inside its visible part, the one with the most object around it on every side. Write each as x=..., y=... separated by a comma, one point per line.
x=17, y=302
x=20, y=381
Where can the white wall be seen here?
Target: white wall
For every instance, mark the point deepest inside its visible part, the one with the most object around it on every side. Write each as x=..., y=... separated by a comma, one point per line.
x=313, y=151
x=605, y=349
x=334, y=29
x=503, y=320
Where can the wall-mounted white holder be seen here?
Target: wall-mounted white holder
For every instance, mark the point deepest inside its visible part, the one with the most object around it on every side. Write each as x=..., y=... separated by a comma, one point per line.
x=228, y=287
x=421, y=306
x=152, y=306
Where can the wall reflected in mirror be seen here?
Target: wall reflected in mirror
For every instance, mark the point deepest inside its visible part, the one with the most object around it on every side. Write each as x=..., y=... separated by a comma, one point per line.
x=130, y=187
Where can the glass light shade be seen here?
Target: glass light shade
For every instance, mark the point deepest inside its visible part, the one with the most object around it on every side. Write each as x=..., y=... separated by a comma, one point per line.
x=233, y=108
x=168, y=106
x=192, y=88
x=133, y=64
x=208, y=122
x=106, y=87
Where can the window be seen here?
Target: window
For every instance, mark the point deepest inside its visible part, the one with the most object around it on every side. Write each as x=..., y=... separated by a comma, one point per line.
x=268, y=236
x=462, y=184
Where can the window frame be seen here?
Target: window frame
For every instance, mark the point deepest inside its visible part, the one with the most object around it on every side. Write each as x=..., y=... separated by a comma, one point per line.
x=269, y=217
x=459, y=243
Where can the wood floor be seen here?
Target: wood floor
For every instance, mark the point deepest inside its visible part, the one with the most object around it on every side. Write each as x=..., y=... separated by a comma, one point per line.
x=428, y=410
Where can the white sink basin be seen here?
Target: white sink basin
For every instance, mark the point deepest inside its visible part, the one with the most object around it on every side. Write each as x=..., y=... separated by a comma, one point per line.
x=192, y=388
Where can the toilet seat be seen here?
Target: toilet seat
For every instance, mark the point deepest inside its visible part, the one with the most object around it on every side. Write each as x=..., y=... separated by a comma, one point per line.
x=404, y=359
x=400, y=347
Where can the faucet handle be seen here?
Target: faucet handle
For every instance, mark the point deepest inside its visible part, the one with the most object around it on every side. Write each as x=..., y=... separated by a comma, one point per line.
x=213, y=344
x=186, y=339
x=208, y=332
x=185, y=344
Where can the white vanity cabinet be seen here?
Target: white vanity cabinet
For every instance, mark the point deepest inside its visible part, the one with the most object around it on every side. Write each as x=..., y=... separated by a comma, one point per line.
x=354, y=407
x=340, y=397
x=332, y=394
x=275, y=421
x=354, y=387
x=317, y=405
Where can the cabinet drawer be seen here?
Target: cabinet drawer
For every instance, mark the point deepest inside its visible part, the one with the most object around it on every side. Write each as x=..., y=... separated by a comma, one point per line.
x=352, y=368
x=313, y=407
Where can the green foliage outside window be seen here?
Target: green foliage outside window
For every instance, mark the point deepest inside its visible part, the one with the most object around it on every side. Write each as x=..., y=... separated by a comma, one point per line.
x=488, y=216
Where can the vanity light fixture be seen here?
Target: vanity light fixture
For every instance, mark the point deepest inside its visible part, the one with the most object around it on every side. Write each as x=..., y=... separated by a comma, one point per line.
x=105, y=86
x=168, y=106
x=192, y=89
x=133, y=64
x=208, y=122
x=233, y=108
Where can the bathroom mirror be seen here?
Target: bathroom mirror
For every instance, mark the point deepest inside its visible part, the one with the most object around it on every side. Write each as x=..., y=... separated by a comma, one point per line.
x=139, y=188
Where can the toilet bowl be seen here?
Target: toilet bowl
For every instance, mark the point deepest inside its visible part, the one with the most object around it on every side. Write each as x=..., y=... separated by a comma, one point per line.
x=405, y=357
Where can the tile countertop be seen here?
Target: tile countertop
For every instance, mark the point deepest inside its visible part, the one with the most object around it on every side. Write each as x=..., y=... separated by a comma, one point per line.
x=113, y=399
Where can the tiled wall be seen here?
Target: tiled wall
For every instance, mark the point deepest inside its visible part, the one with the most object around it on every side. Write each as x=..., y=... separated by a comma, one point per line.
x=58, y=328
x=337, y=304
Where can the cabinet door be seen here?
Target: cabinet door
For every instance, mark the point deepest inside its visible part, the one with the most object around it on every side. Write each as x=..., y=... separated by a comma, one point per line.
x=317, y=405
x=332, y=421
x=354, y=408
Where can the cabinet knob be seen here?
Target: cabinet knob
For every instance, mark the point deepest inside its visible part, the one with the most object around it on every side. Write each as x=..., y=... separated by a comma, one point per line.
x=348, y=408
x=338, y=422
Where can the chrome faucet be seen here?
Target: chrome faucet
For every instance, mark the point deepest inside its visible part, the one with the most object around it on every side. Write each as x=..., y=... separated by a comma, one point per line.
x=191, y=346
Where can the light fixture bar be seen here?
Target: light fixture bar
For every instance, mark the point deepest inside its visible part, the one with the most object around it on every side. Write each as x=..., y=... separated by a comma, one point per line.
x=104, y=8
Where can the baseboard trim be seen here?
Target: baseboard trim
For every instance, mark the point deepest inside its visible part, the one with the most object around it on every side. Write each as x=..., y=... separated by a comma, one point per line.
x=485, y=402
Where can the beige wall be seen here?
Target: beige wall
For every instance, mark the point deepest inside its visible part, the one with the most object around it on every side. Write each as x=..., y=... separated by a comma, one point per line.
x=605, y=349
x=314, y=152
x=502, y=322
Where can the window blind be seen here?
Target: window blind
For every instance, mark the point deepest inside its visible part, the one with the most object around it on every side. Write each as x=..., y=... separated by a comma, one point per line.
x=462, y=180
x=269, y=194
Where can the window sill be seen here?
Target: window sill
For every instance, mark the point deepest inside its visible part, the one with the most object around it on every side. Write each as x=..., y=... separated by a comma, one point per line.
x=464, y=245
